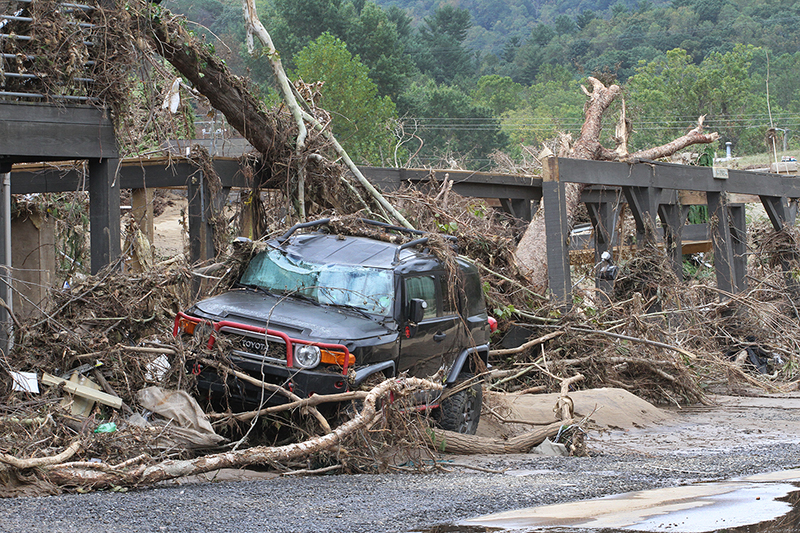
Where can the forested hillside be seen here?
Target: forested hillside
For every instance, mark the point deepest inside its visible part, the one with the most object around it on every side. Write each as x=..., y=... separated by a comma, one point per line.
x=419, y=82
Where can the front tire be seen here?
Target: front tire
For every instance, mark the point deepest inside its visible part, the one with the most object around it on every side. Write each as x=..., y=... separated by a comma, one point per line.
x=461, y=412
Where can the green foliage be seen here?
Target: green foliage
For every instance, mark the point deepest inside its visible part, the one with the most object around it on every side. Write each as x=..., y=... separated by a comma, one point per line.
x=676, y=90
x=554, y=104
x=486, y=63
x=362, y=120
x=498, y=93
x=451, y=124
x=449, y=228
x=378, y=42
x=442, y=54
x=505, y=312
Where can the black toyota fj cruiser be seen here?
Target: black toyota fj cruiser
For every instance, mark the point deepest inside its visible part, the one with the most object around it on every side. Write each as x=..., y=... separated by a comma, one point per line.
x=319, y=313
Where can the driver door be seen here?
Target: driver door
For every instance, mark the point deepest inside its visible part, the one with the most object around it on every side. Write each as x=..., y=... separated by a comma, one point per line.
x=430, y=344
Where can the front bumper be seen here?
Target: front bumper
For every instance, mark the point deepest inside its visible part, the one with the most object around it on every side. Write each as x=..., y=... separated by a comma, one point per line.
x=276, y=370
x=303, y=383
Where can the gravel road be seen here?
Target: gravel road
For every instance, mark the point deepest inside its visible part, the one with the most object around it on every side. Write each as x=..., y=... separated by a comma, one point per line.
x=623, y=461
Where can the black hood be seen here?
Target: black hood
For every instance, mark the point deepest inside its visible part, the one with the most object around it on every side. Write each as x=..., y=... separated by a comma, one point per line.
x=296, y=318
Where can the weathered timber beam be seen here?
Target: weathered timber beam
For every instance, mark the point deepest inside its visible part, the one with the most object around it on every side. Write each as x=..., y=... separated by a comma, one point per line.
x=739, y=243
x=643, y=203
x=722, y=242
x=103, y=212
x=557, y=227
x=673, y=176
x=133, y=174
x=43, y=132
x=672, y=221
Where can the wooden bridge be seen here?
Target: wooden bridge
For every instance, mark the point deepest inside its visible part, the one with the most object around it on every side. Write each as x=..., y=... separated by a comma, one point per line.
x=657, y=195
x=40, y=128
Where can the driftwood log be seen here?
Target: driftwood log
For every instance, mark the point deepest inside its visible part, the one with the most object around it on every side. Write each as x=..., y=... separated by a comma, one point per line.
x=450, y=442
x=99, y=475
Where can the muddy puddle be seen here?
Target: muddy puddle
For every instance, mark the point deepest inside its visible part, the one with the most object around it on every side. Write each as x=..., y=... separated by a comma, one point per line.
x=765, y=503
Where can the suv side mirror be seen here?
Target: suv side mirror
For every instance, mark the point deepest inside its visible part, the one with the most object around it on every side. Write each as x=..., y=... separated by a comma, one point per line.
x=416, y=310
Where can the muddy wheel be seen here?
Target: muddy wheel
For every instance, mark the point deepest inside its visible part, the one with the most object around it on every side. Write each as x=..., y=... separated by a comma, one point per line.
x=460, y=412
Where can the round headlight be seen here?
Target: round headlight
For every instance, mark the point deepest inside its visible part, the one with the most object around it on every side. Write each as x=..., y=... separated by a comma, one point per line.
x=306, y=356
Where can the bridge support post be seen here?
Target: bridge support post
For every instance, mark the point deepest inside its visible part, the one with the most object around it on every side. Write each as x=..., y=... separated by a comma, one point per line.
x=672, y=218
x=557, y=228
x=104, y=212
x=643, y=203
x=722, y=241
x=6, y=287
x=739, y=244
x=201, y=234
x=603, y=216
x=783, y=214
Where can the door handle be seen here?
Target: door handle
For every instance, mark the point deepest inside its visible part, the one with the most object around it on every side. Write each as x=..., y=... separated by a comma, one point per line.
x=439, y=337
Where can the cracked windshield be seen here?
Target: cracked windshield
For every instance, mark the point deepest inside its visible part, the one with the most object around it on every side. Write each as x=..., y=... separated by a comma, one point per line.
x=368, y=289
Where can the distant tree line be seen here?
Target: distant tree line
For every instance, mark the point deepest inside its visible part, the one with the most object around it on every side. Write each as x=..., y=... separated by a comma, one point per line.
x=425, y=83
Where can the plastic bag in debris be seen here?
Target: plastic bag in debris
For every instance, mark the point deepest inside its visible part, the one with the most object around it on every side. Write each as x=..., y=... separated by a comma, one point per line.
x=547, y=447
x=187, y=425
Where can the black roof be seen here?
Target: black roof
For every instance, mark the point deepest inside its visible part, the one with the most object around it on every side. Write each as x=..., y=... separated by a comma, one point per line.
x=362, y=251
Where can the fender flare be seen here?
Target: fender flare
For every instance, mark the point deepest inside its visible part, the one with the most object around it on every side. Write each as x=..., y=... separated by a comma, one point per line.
x=460, y=361
x=363, y=373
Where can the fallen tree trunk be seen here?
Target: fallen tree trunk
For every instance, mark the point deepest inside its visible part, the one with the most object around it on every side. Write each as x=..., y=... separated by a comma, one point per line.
x=210, y=76
x=457, y=443
x=231, y=95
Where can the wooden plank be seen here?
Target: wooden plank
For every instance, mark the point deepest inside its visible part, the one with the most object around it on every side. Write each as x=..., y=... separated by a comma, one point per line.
x=692, y=198
x=82, y=391
x=134, y=174
x=50, y=133
x=737, y=198
x=48, y=113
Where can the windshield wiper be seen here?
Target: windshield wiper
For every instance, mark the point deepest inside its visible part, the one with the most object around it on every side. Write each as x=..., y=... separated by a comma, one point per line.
x=300, y=296
x=350, y=307
x=257, y=288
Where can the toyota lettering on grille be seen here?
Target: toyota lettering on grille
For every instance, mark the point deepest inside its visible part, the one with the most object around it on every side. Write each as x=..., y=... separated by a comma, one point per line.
x=254, y=346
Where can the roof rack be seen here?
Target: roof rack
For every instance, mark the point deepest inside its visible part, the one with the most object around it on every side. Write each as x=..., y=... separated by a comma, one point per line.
x=384, y=225
x=321, y=222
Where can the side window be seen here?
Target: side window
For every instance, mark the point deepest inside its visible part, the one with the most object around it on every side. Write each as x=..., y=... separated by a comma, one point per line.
x=474, y=294
x=424, y=288
x=449, y=296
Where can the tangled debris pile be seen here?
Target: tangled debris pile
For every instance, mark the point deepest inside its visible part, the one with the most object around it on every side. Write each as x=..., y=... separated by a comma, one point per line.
x=124, y=321
x=104, y=343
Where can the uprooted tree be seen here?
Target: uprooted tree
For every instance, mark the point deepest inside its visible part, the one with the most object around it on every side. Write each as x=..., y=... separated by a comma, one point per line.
x=229, y=95
x=531, y=251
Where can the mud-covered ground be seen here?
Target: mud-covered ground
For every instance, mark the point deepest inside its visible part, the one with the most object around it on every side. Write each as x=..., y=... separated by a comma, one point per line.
x=735, y=437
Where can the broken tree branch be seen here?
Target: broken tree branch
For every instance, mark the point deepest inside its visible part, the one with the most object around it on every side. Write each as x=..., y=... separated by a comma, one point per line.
x=36, y=462
x=323, y=422
x=170, y=469
x=314, y=400
x=254, y=26
x=657, y=344
x=527, y=345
